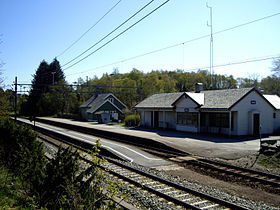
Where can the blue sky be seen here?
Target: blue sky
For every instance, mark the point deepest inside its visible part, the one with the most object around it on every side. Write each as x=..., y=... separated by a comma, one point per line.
x=36, y=30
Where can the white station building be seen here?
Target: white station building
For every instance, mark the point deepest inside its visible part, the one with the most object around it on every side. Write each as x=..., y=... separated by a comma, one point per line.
x=233, y=112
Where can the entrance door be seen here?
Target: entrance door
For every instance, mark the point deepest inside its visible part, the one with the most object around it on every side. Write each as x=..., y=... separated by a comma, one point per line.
x=256, y=124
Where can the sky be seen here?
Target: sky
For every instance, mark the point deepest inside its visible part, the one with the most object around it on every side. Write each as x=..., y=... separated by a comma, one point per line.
x=175, y=36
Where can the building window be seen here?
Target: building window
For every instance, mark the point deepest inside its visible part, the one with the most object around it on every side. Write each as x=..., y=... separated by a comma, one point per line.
x=111, y=99
x=274, y=115
x=187, y=118
x=220, y=120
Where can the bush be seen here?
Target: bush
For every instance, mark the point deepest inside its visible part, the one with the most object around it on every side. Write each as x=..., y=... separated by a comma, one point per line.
x=58, y=183
x=130, y=120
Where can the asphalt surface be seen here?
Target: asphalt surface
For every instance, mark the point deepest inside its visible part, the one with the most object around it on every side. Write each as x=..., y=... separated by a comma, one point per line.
x=200, y=145
x=124, y=151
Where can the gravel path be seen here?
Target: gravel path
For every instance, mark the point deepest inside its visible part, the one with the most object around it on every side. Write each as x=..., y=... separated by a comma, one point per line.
x=216, y=188
x=242, y=195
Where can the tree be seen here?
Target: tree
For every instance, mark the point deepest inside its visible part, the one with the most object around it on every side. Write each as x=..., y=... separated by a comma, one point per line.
x=251, y=81
x=276, y=67
x=271, y=85
x=1, y=65
x=41, y=98
x=5, y=97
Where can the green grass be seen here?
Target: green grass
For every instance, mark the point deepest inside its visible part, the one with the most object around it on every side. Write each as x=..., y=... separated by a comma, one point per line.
x=115, y=123
x=272, y=161
x=12, y=195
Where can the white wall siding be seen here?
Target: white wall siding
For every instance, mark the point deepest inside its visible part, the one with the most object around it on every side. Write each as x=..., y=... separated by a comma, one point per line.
x=146, y=118
x=186, y=105
x=253, y=103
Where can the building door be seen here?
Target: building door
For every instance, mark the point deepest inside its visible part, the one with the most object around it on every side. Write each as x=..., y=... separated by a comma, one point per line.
x=256, y=124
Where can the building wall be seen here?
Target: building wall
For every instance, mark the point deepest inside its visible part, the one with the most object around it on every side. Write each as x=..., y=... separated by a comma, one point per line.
x=166, y=119
x=116, y=102
x=146, y=118
x=186, y=105
x=84, y=114
x=252, y=104
x=170, y=119
x=276, y=121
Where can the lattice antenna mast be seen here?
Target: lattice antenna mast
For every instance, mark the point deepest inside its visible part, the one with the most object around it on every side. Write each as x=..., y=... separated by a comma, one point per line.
x=211, y=44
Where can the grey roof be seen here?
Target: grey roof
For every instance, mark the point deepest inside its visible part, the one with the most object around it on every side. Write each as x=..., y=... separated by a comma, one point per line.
x=223, y=99
x=161, y=100
x=94, y=100
x=93, y=103
x=274, y=100
x=213, y=99
x=98, y=101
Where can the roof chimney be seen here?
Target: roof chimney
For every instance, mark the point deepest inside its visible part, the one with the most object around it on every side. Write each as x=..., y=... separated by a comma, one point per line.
x=198, y=87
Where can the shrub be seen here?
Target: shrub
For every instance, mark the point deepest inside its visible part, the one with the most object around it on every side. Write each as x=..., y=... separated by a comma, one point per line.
x=59, y=183
x=130, y=120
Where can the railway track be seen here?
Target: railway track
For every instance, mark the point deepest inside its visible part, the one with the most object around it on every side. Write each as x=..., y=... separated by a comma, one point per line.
x=257, y=177
x=172, y=192
x=181, y=196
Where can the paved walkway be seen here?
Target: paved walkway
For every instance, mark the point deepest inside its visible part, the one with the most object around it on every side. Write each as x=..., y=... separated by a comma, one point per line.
x=201, y=145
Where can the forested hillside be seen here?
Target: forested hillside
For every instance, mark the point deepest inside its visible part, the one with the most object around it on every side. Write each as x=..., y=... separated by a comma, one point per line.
x=57, y=97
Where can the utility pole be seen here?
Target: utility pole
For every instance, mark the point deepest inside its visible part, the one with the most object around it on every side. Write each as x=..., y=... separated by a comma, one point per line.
x=211, y=45
x=15, y=98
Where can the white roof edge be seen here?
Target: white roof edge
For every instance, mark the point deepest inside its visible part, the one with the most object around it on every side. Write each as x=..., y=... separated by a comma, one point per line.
x=197, y=97
x=274, y=100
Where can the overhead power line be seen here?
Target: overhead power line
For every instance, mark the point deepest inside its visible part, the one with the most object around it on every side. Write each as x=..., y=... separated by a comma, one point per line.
x=204, y=67
x=108, y=34
x=89, y=29
x=182, y=43
x=236, y=63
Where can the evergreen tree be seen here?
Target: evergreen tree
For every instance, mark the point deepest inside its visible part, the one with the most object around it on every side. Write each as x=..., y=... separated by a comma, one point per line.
x=42, y=86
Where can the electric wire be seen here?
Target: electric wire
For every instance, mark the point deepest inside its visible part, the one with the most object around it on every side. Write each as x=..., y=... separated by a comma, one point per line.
x=200, y=68
x=236, y=63
x=109, y=33
x=89, y=29
x=118, y=34
x=182, y=43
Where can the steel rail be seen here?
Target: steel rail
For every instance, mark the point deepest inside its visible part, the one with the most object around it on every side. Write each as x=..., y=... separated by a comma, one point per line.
x=208, y=165
x=150, y=189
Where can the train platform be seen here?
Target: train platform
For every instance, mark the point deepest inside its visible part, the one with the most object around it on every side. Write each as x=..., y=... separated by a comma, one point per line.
x=195, y=144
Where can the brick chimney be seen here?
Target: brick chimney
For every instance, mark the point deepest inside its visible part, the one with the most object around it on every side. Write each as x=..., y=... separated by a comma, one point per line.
x=198, y=87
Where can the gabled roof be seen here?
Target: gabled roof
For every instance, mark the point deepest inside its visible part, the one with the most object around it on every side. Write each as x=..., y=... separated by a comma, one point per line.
x=197, y=98
x=274, y=100
x=97, y=101
x=207, y=100
x=161, y=100
x=88, y=102
x=224, y=99
x=94, y=100
x=95, y=108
